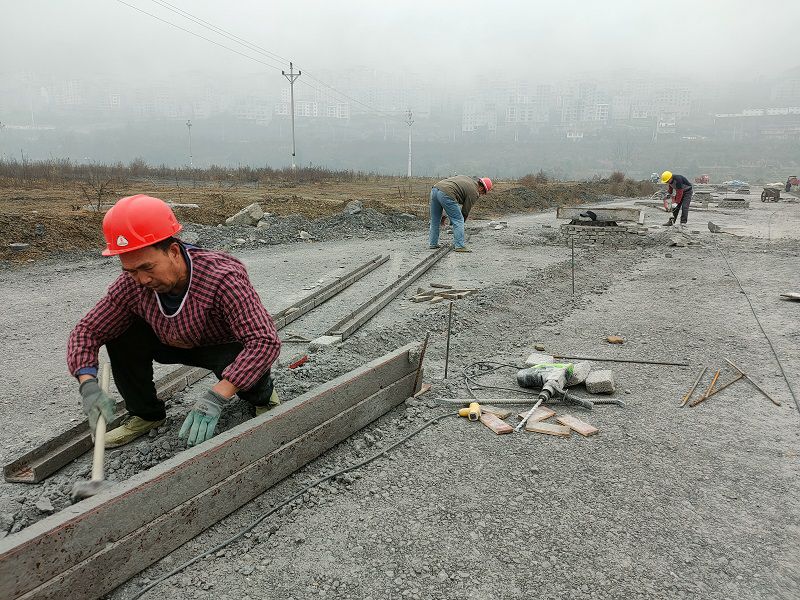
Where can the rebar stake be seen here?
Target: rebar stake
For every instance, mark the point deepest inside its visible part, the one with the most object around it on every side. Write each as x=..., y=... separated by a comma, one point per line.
x=447, y=351
x=572, y=244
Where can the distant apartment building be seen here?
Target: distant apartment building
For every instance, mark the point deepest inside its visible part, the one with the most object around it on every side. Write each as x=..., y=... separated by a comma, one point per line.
x=478, y=115
x=766, y=123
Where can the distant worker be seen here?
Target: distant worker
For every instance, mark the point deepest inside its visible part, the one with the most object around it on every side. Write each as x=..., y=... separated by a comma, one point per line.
x=788, y=184
x=174, y=304
x=455, y=196
x=683, y=195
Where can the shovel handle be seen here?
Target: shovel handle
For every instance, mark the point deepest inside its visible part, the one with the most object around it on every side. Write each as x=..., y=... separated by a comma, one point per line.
x=100, y=429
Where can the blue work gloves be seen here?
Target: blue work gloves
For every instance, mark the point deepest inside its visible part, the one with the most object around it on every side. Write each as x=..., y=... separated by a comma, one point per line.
x=202, y=420
x=96, y=402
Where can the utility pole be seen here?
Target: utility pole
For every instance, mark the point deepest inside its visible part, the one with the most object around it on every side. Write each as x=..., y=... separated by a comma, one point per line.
x=410, y=122
x=291, y=76
x=189, y=127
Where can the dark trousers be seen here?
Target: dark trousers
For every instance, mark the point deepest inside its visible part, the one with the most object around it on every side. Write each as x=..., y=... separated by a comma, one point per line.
x=683, y=208
x=132, y=355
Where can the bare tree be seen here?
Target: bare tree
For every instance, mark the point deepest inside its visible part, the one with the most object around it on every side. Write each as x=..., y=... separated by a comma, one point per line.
x=95, y=187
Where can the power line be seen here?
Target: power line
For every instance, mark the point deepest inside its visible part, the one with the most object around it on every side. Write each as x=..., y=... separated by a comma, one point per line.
x=189, y=31
x=261, y=50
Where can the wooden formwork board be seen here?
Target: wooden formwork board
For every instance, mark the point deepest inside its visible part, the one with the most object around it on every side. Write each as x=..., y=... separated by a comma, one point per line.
x=88, y=549
x=298, y=309
x=352, y=322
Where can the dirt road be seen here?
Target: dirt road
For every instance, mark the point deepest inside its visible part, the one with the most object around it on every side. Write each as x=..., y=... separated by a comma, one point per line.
x=663, y=503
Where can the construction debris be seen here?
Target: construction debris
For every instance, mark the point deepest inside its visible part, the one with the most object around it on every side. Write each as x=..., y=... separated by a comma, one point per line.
x=615, y=339
x=249, y=215
x=496, y=424
x=578, y=425
x=547, y=428
x=542, y=413
x=600, y=382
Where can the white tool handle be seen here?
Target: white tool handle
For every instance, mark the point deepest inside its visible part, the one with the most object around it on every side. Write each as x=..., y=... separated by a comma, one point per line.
x=100, y=429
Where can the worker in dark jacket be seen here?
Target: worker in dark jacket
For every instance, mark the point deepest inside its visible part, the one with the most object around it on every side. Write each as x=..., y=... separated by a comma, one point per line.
x=682, y=188
x=455, y=196
x=175, y=304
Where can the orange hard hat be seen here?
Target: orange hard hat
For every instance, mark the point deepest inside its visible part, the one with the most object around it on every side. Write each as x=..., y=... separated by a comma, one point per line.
x=137, y=221
x=487, y=183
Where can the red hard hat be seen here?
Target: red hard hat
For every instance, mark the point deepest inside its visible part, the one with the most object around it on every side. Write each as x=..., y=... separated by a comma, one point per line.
x=487, y=183
x=136, y=222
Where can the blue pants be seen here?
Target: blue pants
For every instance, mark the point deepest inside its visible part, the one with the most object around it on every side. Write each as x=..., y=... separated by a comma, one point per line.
x=442, y=202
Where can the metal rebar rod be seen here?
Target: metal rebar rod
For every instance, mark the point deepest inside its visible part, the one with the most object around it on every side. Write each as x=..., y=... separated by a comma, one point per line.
x=421, y=358
x=694, y=387
x=573, y=266
x=623, y=360
x=758, y=387
x=449, y=326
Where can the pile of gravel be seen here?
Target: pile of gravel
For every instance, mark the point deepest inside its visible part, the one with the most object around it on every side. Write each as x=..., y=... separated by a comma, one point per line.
x=273, y=229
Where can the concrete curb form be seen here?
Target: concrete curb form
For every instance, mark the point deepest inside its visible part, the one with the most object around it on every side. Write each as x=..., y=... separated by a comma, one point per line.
x=90, y=548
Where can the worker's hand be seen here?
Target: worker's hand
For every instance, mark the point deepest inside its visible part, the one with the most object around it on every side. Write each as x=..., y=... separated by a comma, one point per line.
x=96, y=402
x=202, y=420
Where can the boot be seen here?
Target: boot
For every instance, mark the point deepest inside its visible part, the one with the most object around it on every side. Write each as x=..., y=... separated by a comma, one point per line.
x=670, y=223
x=133, y=428
x=273, y=402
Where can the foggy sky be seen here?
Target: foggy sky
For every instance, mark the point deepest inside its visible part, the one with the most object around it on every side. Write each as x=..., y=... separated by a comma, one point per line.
x=460, y=41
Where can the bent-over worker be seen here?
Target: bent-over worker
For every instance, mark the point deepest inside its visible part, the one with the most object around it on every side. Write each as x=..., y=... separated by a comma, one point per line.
x=174, y=304
x=683, y=195
x=455, y=196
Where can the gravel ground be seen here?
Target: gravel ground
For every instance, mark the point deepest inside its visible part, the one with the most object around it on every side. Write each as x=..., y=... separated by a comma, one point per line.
x=662, y=503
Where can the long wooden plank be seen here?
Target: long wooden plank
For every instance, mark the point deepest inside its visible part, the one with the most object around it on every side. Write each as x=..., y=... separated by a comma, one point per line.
x=603, y=214
x=308, y=303
x=352, y=322
x=43, y=461
x=121, y=560
x=56, y=543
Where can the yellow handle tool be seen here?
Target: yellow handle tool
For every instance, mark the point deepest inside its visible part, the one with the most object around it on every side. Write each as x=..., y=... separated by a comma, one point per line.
x=473, y=412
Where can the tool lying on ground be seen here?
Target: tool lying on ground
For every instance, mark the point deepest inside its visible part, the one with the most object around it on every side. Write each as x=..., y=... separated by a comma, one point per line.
x=551, y=378
x=473, y=371
x=472, y=412
x=86, y=489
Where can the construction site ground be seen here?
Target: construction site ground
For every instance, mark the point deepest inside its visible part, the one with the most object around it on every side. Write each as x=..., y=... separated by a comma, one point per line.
x=664, y=502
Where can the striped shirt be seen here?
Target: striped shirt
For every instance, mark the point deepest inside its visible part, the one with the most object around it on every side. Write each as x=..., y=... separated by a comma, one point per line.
x=220, y=306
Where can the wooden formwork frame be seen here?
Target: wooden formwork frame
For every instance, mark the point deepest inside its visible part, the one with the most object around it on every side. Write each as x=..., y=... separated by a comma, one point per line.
x=88, y=549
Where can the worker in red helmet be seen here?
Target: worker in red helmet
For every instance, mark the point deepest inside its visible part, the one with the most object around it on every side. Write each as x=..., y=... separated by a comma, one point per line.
x=174, y=303
x=455, y=197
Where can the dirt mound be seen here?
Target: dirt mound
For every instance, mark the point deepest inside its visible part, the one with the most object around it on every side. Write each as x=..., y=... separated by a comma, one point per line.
x=536, y=197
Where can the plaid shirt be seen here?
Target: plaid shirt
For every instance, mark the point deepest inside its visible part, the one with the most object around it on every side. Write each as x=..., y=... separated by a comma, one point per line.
x=220, y=306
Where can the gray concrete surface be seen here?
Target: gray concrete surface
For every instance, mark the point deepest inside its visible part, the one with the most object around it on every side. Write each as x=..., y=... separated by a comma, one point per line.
x=662, y=503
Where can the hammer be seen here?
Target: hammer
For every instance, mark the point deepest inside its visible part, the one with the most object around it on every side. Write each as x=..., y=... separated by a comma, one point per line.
x=86, y=489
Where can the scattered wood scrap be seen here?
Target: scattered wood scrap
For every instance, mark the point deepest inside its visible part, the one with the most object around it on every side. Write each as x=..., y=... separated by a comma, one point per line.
x=547, y=428
x=540, y=414
x=615, y=339
x=496, y=424
x=791, y=296
x=576, y=424
x=500, y=413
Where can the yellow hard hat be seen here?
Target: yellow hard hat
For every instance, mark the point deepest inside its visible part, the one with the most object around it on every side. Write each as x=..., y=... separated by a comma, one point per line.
x=666, y=176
